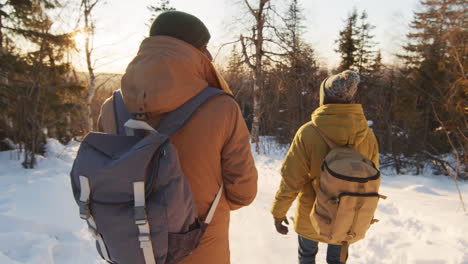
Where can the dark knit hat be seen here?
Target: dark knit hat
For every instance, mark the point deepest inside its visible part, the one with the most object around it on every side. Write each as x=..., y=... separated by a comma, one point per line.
x=339, y=88
x=182, y=26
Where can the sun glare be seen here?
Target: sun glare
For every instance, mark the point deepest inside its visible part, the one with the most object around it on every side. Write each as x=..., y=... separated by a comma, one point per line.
x=80, y=40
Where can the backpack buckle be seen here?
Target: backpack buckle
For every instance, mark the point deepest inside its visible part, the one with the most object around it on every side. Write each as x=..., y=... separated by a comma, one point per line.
x=140, y=215
x=144, y=237
x=84, y=210
x=145, y=240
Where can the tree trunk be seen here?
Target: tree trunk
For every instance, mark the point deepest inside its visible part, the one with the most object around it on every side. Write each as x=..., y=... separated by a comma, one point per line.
x=258, y=75
x=91, y=86
x=68, y=131
x=1, y=35
x=256, y=110
x=89, y=28
x=89, y=100
x=3, y=75
x=256, y=66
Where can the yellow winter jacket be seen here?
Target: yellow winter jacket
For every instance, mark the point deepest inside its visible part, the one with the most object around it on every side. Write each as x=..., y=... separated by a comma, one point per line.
x=342, y=123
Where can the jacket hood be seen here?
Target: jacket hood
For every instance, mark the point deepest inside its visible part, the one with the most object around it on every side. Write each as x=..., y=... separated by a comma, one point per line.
x=165, y=74
x=342, y=123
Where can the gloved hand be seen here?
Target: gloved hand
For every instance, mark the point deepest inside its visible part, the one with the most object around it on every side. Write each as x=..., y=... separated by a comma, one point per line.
x=282, y=229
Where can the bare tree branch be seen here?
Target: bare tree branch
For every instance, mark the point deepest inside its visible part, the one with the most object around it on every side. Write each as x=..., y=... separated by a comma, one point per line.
x=252, y=11
x=224, y=45
x=246, y=56
x=104, y=82
x=273, y=60
x=275, y=53
x=457, y=157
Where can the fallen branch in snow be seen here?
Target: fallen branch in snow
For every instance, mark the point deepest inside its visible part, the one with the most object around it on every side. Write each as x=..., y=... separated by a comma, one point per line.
x=452, y=172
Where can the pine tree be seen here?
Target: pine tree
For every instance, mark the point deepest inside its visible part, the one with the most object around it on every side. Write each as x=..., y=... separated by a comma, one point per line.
x=300, y=76
x=348, y=43
x=355, y=44
x=358, y=53
x=36, y=90
x=435, y=87
x=294, y=28
x=377, y=65
x=365, y=54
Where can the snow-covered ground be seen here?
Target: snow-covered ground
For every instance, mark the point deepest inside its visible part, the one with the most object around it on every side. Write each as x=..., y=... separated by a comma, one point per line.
x=421, y=223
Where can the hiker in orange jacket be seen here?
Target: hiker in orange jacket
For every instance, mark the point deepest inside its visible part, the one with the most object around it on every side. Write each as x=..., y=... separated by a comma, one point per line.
x=172, y=66
x=344, y=123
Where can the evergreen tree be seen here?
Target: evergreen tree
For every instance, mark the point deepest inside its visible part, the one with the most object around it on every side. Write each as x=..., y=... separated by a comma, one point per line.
x=377, y=65
x=358, y=53
x=365, y=54
x=435, y=86
x=294, y=29
x=348, y=43
x=355, y=44
x=36, y=91
x=297, y=80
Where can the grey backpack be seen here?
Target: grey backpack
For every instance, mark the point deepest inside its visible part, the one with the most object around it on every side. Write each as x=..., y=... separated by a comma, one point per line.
x=132, y=192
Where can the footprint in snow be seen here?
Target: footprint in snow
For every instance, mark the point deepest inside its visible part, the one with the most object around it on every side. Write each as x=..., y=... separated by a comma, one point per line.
x=422, y=189
x=388, y=207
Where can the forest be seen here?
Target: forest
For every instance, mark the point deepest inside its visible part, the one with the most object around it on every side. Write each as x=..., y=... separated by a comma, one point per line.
x=417, y=106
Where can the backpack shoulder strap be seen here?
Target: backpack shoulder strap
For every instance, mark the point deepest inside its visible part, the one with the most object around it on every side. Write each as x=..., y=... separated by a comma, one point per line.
x=121, y=113
x=329, y=142
x=176, y=119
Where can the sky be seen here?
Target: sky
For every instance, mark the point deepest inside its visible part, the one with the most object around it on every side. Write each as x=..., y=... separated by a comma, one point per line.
x=123, y=24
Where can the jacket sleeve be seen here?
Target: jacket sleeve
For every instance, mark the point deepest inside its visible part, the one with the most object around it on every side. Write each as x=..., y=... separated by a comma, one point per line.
x=238, y=168
x=106, y=120
x=100, y=127
x=375, y=152
x=295, y=173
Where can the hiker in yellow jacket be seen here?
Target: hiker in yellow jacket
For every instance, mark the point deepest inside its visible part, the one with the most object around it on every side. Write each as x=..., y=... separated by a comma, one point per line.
x=342, y=122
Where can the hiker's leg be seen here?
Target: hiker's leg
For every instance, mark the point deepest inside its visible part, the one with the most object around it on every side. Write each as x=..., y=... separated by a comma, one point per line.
x=307, y=250
x=333, y=254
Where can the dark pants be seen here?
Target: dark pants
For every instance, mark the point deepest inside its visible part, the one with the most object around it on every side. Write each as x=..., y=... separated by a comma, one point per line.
x=308, y=250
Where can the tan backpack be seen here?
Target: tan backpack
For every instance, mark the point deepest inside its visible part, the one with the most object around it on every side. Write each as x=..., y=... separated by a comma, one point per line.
x=347, y=196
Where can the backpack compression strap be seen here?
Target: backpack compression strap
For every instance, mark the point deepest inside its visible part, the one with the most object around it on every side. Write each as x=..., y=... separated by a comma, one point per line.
x=121, y=113
x=176, y=119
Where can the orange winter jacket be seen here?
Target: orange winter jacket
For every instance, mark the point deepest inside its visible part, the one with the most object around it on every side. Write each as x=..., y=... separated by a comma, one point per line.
x=213, y=146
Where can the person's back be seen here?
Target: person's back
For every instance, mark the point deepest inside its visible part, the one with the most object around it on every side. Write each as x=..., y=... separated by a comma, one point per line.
x=344, y=124
x=213, y=146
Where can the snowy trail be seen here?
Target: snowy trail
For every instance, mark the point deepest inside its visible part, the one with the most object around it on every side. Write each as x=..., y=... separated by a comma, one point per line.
x=421, y=222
